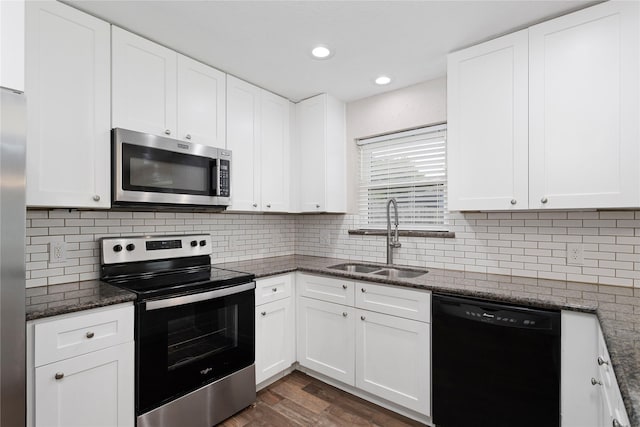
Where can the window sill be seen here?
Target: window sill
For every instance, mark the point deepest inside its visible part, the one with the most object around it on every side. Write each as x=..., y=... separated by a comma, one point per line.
x=405, y=233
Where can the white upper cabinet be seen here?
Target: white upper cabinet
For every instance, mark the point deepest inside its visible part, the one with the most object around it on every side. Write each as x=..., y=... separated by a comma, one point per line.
x=487, y=125
x=144, y=85
x=201, y=103
x=158, y=91
x=583, y=117
x=274, y=152
x=68, y=87
x=12, y=44
x=547, y=118
x=258, y=132
x=321, y=154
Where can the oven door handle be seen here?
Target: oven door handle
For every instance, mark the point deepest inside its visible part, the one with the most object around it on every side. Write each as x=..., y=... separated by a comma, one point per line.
x=204, y=296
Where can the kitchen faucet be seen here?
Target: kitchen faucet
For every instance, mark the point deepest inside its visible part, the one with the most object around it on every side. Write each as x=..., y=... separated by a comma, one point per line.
x=392, y=242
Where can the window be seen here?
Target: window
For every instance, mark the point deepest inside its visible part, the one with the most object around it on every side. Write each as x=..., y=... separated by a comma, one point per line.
x=410, y=166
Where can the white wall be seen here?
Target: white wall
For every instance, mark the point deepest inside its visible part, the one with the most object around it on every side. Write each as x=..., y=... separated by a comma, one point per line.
x=406, y=108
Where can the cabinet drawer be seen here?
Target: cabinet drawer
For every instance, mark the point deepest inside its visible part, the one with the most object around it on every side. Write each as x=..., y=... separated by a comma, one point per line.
x=393, y=300
x=78, y=334
x=339, y=291
x=273, y=288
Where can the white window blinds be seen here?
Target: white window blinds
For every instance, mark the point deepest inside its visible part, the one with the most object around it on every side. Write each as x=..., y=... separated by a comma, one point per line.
x=410, y=166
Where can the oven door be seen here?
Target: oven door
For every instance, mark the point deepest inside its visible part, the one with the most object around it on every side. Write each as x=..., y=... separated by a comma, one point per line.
x=152, y=169
x=186, y=342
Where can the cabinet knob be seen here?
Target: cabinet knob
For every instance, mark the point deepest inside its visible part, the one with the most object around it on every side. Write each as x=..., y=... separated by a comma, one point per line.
x=274, y=289
x=167, y=131
x=89, y=334
x=187, y=136
x=268, y=205
x=255, y=205
x=344, y=314
x=595, y=382
x=514, y=201
x=96, y=198
x=362, y=318
x=363, y=290
x=616, y=423
x=544, y=200
x=344, y=286
x=601, y=361
x=59, y=375
x=264, y=313
x=317, y=206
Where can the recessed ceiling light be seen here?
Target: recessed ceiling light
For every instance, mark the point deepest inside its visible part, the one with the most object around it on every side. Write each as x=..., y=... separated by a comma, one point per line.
x=321, y=52
x=383, y=80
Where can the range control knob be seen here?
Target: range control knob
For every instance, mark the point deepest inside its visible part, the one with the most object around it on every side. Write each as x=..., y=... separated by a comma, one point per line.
x=117, y=248
x=194, y=243
x=131, y=247
x=203, y=242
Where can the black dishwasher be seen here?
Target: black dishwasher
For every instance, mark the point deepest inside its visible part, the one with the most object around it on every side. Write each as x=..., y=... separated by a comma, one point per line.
x=494, y=364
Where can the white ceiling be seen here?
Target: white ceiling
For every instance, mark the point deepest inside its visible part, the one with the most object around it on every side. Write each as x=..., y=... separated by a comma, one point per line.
x=268, y=42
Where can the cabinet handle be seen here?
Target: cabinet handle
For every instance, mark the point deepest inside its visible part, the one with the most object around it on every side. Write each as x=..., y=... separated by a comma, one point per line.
x=514, y=201
x=89, y=334
x=96, y=198
x=344, y=286
x=595, y=382
x=264, y=313
x=616, y=423
x=167, y=131
x=544, y=200
x=362, y=318
x=344, y=314
x=188, y=136
x=601, y=361
x=268, y=205
x=363, y=290
x=274, y=289
x=59, y=375
x=255, y=205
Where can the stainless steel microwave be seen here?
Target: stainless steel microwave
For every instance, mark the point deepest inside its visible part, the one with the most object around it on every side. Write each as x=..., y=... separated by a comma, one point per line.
x=153, y=170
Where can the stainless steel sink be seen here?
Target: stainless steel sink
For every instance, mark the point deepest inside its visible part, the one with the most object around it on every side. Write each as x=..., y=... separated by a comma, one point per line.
x=390, y=272
x=356, y=268
x=400, y=273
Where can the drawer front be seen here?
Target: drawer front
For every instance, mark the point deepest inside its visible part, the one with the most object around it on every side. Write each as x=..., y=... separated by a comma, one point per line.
x=339, y=291
x=273, y=288
x=394, y=300
x=82, y=333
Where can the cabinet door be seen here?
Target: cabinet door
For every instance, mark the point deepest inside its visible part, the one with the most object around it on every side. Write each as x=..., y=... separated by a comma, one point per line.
x=95, y=389
x=12, y=44
x=311, y=117
x=201, y=103
x=612, y=399
x=144, y=85
x=274, y=149
x=393, y=359
x=487, y=118
x=583, y=141
x=325, y=339
x=243, y=132
x=68, y=129
x=274, y=338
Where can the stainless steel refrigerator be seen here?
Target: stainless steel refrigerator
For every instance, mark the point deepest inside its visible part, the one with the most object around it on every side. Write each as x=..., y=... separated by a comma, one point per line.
x=12, y=258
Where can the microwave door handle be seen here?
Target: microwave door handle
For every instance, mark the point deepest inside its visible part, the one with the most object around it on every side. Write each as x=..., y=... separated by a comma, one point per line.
x=204, y=296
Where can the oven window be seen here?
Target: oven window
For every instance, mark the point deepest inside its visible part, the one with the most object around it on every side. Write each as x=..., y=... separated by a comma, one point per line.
x=162, y=171
x=197, y=336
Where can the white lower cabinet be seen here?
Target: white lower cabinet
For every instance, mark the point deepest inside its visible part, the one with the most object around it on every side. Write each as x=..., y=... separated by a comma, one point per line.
x=80, y=369
x=393, y=359
x=376, y=338
x=275, y=326
x=589, y=394
x=326, y=335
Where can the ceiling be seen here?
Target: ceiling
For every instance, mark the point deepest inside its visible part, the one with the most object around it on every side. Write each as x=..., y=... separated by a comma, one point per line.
x=268, y=43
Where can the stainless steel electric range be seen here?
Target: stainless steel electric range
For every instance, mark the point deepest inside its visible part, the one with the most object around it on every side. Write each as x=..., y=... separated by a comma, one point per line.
x=195, y=332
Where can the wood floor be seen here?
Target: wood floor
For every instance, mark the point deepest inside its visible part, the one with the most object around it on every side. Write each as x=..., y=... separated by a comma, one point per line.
x=300, y=400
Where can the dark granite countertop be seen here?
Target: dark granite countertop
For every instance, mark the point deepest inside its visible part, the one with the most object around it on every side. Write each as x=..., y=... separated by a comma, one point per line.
x=617, y=307
x=52, y=300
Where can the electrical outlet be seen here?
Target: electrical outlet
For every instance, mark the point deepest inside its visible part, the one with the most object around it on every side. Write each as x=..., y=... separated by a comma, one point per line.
x=57, y=252
x=575, y=254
